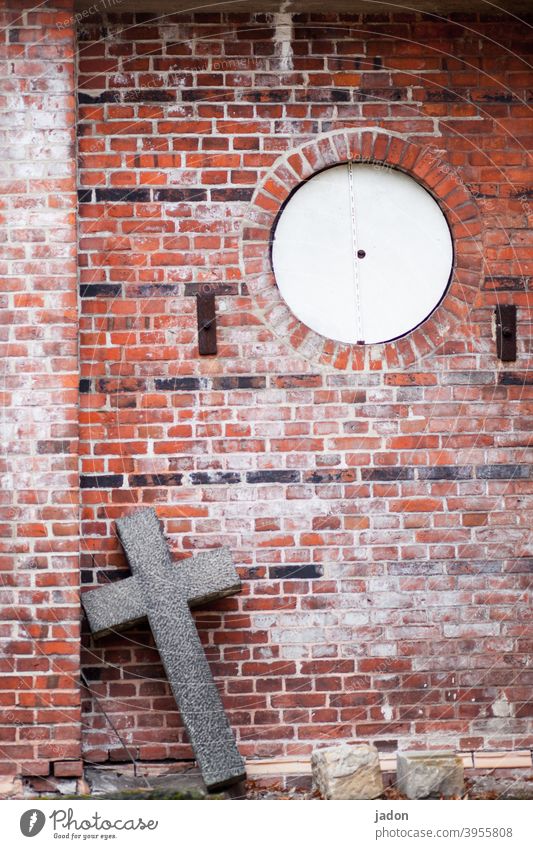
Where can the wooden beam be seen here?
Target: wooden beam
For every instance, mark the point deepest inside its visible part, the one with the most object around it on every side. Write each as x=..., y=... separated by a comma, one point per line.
x=160, y=8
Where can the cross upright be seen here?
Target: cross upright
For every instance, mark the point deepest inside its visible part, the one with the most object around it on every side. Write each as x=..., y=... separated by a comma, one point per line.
x=164, y=593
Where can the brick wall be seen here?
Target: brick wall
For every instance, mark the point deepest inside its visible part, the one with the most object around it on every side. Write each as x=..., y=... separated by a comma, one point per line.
x=378, y=516
x=39, y=630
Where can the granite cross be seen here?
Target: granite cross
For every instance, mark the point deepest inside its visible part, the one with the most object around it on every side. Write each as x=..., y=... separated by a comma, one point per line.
x=163, y=592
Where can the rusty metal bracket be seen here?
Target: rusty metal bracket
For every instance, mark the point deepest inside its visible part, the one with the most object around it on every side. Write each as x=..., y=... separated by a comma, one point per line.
x=506, y=332
x=207, y=324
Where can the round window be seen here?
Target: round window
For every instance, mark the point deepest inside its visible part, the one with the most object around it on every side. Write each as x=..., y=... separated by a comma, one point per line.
x=362, y=253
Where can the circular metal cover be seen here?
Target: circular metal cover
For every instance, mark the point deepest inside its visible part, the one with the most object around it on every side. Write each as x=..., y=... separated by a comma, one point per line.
x=362, y=253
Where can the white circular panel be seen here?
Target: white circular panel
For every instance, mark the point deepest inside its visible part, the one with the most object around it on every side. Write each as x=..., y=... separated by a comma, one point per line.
x=362, y=253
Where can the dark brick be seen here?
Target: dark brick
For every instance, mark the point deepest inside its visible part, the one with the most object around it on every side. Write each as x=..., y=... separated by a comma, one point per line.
x=239, y=382
x=93, y=673
x=219, y=288
x=273, y=95
x=85, y=385
x=177, y=384
x=149, y=95
x=106, y=576
x=101, y=481
x=506, y=284
x=516, y=378
x=442, y=94
x=191, y=95
x=384, y=94
x=273, y=476
x=214, y=477
x=179, y=195
x=127, y=195
x=101, y=97
x=155, y=290
x=388, y=473
x=85, y=195
x=331, y=476
x=503, y=471
x=495, y=97
x=444, y=473
x=251, y=382
x=474, y=567
x=162, y=479
x=374, y=18
x=344, y=63
x=231, y=195
x=295, y=573
x=340, y=95
x=100, y=290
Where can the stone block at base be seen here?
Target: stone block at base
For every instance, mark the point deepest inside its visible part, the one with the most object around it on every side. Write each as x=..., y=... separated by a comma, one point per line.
x=422, y=774
x=347, y=772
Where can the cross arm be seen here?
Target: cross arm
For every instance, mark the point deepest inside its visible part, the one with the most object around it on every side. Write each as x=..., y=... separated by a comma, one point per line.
x=206, y=576
x=209, y=575
x=114, y=606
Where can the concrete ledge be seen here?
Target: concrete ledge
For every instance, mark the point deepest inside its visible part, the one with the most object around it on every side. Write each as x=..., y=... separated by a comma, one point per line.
x=471, y=760
x=502, y=760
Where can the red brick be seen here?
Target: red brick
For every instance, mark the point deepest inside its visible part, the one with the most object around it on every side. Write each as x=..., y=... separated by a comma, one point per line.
x=42, y=496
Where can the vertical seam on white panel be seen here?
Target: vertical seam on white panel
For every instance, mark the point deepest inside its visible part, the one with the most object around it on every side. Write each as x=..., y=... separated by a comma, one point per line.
x=355, y=264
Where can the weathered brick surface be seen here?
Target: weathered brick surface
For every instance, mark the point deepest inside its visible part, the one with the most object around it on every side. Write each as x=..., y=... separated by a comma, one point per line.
x=39, y=611
x=377, y=507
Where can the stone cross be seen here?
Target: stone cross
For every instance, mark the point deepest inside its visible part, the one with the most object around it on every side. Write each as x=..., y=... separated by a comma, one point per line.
x=164, y=592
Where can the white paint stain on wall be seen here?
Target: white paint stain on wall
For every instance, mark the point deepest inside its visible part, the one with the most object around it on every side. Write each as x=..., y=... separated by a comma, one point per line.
x=283, y=36
x=386, y=710
x=501, y=707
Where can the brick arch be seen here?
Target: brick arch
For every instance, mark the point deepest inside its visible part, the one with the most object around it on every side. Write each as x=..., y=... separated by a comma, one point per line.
x=447, y=321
